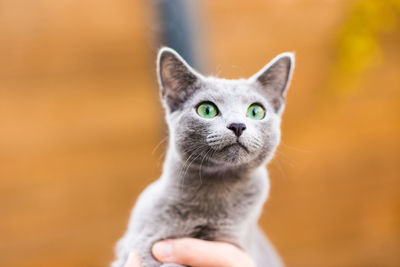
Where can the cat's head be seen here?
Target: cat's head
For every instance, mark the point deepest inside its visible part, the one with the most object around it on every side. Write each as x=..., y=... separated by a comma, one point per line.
x=219, y=122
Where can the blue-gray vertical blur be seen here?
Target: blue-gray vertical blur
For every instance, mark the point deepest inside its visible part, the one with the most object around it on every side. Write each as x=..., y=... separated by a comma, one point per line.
x=178, y=28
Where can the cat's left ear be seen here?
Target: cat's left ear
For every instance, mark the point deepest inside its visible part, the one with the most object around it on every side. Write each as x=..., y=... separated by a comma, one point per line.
x=274, y=79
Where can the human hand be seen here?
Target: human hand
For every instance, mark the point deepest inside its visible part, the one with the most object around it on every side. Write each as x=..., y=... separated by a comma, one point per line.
x=196, y=252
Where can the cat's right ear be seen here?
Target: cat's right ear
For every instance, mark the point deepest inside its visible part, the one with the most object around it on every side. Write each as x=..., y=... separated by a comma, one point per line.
x=274, y=79
x=176, y=78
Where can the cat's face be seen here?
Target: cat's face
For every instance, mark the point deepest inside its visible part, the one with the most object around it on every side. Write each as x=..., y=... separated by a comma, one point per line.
x=217, y=122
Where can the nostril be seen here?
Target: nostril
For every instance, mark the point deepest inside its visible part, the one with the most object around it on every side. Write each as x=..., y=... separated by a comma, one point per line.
x=237, y=128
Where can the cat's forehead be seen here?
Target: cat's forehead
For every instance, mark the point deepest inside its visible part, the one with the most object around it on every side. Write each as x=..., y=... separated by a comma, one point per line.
x=223, y=90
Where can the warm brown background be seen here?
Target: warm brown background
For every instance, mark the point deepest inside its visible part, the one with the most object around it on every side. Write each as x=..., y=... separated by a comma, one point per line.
x=80, y=120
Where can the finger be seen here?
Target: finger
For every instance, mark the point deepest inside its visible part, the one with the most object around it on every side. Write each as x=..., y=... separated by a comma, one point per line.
x=133, y=260
x=196, y=252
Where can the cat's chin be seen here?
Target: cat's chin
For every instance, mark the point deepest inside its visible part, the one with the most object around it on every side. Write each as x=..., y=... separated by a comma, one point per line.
x=234, y=151
x=233, y=154
x=235, y=148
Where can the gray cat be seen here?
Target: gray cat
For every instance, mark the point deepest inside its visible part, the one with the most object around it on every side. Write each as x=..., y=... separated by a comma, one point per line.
x=214, y=181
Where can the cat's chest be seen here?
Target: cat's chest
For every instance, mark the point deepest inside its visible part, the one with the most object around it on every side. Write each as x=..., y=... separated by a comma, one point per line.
x=217, y=206
x=215, y=218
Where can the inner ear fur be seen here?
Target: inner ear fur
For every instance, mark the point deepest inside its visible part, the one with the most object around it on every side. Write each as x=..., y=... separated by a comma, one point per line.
x=274, y=79
x=176, y=78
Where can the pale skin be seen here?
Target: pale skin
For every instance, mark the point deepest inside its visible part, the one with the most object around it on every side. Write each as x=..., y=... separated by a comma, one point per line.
x=197, y=253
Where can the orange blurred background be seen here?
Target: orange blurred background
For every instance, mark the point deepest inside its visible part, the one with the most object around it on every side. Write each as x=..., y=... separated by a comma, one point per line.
x=81, y=122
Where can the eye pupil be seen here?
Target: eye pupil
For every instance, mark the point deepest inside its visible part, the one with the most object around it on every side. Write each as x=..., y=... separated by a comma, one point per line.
x=207, y=110
x=256, y=112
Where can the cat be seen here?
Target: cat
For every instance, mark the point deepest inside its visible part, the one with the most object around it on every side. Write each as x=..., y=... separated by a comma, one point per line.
x=214, y=181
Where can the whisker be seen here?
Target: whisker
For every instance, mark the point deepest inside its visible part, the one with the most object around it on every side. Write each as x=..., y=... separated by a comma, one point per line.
x=187, y=164
x=290, y=161
x=201, y=163
x=159, y=144
x=279, y=166
x=295, y=148
x=184, y=164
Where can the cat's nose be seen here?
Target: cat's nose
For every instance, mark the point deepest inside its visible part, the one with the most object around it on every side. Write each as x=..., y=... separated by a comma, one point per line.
x=237, y=128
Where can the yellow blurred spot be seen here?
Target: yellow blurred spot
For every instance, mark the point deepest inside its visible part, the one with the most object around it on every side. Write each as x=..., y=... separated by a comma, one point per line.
x=359, y=46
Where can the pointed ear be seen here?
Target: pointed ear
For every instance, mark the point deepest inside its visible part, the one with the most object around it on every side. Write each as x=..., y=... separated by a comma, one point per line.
x=274, y=79
x=176, y=78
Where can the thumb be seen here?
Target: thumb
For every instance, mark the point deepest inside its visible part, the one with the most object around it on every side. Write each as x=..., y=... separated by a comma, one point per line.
x=133, y=260
x=196, y=252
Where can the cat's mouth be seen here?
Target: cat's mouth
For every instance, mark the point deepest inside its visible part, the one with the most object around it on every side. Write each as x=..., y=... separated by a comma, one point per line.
x=237, y=144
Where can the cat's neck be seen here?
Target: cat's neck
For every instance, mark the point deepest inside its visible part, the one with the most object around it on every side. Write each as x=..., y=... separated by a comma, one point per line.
x=220, y=188
x=185, y=174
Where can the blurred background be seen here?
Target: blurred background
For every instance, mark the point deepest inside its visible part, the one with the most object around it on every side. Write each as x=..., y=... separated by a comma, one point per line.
x=82, y=129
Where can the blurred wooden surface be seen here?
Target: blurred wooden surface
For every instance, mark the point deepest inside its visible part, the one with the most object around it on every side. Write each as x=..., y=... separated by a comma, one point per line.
x=80, y=120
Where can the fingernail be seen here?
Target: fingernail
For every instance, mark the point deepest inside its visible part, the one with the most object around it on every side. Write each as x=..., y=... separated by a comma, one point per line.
x=163, y=250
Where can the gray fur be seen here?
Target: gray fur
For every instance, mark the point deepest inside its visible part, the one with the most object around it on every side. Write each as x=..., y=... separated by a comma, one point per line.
x=211, y=188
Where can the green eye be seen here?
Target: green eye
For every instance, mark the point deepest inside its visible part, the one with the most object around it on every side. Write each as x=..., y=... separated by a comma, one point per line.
x=207, y=110
x=255, y=112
